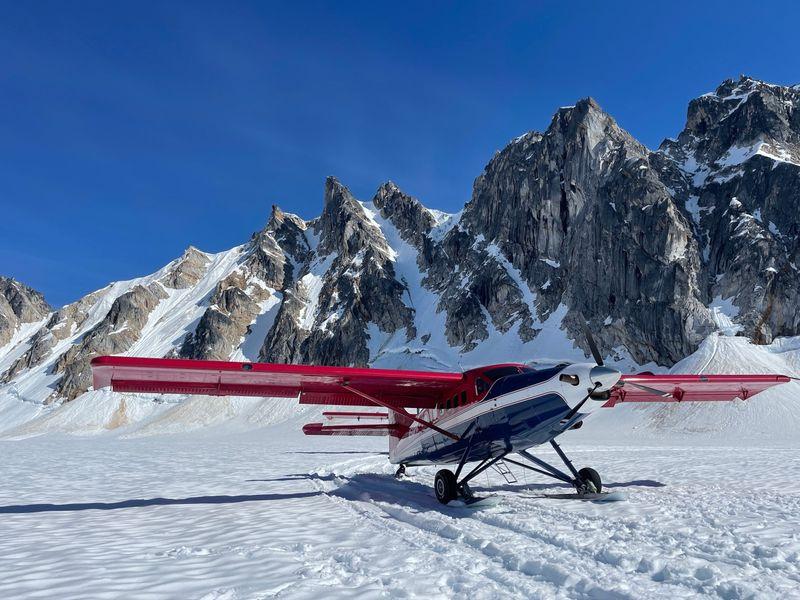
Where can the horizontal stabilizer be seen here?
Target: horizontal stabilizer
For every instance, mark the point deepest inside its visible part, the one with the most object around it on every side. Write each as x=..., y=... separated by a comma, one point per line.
x=332, y=415
x=352, y=429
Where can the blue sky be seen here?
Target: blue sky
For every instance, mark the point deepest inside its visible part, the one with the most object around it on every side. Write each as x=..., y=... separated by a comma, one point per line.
x=131, y=130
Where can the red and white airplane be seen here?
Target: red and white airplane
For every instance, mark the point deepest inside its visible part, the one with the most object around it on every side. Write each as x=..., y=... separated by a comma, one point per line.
x=482, y=415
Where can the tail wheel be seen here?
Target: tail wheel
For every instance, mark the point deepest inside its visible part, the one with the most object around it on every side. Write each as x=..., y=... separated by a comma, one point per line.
x=401, y=470
x=445, y=486
x=590, y=480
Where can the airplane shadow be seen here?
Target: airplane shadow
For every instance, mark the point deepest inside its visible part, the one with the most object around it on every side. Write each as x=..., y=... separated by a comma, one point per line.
x=387, y=489
x=296, y=477
x=142, y=502
x=636, y=483
x=512, y=487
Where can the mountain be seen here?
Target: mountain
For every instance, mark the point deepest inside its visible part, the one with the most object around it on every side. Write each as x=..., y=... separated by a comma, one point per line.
x=657, y=249
x=20, y=306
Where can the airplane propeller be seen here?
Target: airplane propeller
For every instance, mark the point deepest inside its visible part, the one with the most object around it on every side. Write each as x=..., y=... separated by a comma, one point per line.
x=598, y=358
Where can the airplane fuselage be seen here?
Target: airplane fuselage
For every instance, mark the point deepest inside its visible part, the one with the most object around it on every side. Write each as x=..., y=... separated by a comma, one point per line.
x=518, y=412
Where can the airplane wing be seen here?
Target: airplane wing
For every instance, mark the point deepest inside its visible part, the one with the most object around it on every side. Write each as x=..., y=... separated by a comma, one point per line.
x=343, y=386
x=690, y=388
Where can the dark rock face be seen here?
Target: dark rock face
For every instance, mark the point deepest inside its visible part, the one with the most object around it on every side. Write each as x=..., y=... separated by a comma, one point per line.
x=347, y=283
x=578, y=220
x=583, y=216
x=19, y=304
x=736, y=168
x=116, y=333
x=188, y=269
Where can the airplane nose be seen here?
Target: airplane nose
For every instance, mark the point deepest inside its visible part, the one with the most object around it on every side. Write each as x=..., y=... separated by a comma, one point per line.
x=605, y=376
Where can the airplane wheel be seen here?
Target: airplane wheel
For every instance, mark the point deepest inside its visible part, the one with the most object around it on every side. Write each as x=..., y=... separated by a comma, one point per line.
x=445, y=486
x=590, y=478
x=401, y=470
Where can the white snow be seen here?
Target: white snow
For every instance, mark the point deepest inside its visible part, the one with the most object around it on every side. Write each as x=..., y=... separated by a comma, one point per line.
x=723, y=312
x=312, y=283
x=693, y=208
x=550, y=262
x=444, y=222
x=736, y=155
x=19, y=343
x=251, y=345
x=269, y=513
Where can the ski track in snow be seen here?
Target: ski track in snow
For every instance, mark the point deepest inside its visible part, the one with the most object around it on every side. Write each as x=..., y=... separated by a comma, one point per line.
x=266, y=513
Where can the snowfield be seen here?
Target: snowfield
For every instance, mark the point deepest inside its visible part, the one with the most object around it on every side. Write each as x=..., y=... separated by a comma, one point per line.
x=138, y=496
x=227, y=513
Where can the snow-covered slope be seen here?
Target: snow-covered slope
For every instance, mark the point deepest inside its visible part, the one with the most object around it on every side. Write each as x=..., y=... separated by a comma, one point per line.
x=772, y=417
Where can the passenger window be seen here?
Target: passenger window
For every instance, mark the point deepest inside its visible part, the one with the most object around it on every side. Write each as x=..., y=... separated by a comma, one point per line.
x=480, y=386
x=463, y=398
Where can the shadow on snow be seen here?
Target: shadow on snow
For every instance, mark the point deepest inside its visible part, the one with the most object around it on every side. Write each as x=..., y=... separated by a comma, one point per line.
x=142, y=502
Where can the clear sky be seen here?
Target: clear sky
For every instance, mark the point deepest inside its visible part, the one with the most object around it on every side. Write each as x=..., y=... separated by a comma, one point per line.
x=129, y=130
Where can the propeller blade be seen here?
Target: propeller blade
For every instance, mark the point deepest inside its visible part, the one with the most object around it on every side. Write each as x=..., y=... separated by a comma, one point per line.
x=592, y=346
x=647, y=389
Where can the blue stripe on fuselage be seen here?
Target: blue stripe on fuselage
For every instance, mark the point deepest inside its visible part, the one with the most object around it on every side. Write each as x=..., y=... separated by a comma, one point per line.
x=514, y=427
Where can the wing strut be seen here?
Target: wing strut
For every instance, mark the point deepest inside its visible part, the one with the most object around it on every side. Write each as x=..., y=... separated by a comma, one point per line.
x=401, y=411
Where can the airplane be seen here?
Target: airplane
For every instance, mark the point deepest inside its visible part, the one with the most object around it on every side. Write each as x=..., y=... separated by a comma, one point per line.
x=481, y=416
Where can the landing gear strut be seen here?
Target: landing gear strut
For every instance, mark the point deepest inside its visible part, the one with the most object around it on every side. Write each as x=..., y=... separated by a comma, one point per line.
x=585, y=481
x=447, y=485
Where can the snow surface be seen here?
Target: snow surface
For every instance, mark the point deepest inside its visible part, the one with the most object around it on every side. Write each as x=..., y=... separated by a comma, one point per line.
x=269, y=513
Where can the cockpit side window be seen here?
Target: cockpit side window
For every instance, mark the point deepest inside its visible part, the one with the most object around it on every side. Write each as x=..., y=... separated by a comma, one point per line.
x=481, y=387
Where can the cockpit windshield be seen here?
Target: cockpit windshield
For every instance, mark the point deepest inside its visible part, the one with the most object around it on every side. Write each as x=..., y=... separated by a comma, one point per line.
x=498, y=372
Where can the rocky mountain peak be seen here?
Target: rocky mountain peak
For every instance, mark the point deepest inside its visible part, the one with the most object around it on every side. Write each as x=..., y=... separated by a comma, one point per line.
x=187, y=270
x=281, y=222
x=411, y=218
x=735, y=168
x=586, y=125
x=344, y=227
x=19, y=304
x=739, y=114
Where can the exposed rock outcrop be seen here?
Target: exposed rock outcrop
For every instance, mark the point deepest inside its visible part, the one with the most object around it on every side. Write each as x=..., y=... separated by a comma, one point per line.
x=115, y=334
x=737, y=174
x=19, y=304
